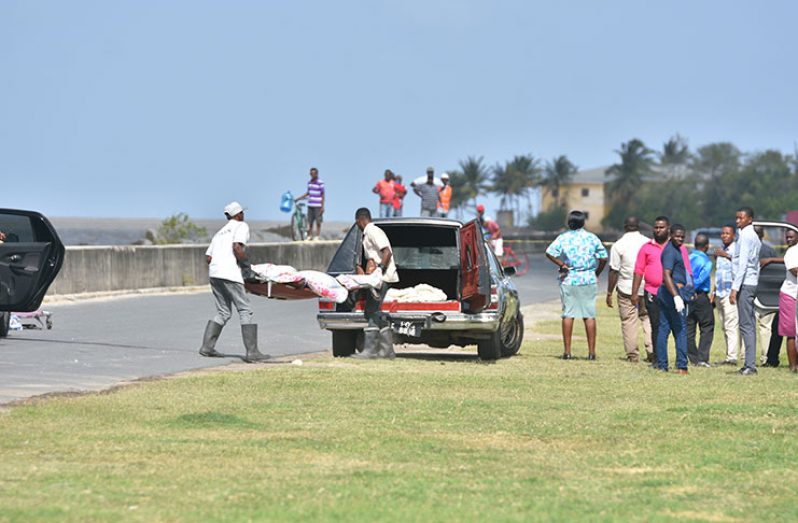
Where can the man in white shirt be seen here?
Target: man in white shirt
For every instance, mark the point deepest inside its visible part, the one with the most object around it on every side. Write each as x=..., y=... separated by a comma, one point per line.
x=377, y=336
x=622, y=266
x=226, y=257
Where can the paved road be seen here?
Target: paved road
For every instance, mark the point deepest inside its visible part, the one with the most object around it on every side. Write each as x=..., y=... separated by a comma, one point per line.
x=98, y=343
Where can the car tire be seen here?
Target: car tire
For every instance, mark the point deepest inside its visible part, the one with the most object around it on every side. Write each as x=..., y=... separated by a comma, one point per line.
x=5, y=319
x=344, y=343
x=512, y=336
x=491, y=348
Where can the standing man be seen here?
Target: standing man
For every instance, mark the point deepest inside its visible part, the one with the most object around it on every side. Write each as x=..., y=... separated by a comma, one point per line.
x=648, y=266
x=724, y=277
x=700, y=311
x=429, y=194
x=745, y=267
x=400, y=191
x=445, y=197
x=378, y=336
x=315, y=196
x=225, y=257
x=672, y=317
x=622, y=264
x=387, y=191
x=580, y=257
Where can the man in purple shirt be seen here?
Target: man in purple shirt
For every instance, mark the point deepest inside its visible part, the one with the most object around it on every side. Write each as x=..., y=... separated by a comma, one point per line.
x=315, y=196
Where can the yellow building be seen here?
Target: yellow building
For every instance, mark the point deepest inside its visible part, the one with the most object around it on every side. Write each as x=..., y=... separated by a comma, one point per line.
x=585, y=192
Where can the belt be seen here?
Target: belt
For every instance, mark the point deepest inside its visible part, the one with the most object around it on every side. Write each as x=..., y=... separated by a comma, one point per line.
x=702, y=292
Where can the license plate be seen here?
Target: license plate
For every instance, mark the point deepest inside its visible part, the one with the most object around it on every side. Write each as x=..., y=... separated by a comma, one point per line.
x=408, y=328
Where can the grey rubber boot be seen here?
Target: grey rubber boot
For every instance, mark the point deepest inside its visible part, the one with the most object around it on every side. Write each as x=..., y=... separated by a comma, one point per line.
x=212, y=331
x=371, y=341
x=386, y=343
x=250, y=335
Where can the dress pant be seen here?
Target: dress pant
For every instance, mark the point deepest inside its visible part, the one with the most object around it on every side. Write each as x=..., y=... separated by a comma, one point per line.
x=729, y=321
x=631, y=318
x=774, y=347
x=745, y=310
x=652, y=308
x=671, y=321
x=701, y=314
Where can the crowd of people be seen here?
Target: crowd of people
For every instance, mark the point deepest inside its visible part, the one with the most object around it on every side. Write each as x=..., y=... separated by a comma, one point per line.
x=668, y=293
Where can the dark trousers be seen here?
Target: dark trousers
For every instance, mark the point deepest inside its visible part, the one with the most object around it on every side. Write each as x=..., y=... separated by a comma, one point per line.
x=701, y=314
x=652, y=307
x=774, y=347
x=371, y=310
x=671, y=321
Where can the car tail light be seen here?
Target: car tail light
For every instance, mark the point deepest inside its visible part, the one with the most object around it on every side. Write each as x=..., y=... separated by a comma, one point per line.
x=325, y=305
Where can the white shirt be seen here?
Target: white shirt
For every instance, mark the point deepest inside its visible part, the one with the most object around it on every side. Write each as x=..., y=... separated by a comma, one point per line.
x=623, y=257
x=223, y=261
x=790, y=285
x=375, y=240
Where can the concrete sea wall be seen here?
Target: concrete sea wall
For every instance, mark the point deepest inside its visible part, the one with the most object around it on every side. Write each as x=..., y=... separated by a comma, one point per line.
x=121, y=268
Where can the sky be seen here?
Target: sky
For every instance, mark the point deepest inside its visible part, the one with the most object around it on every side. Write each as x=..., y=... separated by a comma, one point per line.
x=148, y=108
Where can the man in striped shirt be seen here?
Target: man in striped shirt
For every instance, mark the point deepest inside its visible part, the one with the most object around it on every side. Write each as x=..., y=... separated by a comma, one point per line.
x=315, y=196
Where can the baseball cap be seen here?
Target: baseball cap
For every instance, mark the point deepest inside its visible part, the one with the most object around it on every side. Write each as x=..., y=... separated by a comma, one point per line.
x=430, y=169
x=444, y=176
x=480, y=207
x=233, y=208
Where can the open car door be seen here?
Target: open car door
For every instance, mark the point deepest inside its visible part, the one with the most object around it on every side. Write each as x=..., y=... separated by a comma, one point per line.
x=475, y=275
x=772, y=275
x=30, y=258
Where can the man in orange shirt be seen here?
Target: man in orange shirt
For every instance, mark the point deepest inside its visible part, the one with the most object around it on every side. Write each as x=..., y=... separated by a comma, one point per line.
x=385, y=188
x=400, y=191
x=446, y=196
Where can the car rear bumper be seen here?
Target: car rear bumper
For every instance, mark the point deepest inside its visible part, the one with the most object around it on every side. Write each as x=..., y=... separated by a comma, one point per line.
x=439, y=321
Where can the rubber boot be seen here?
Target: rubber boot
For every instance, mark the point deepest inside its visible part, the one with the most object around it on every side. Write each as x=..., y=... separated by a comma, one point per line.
x=371, y=340
x=250, y=334
x=212, y=331
x=386, y=343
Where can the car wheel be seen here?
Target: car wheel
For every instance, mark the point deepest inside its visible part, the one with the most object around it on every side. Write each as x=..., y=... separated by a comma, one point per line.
x=5, y=319
x=344, y=343
x=512, y=336
x=491, y=348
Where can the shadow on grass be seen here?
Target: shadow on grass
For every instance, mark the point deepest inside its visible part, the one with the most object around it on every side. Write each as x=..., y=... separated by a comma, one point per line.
x=441, y=356
x=206, y=420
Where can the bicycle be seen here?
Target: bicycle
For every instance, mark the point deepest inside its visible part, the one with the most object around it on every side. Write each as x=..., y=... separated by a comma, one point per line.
x=299, y=222
x=511, y=259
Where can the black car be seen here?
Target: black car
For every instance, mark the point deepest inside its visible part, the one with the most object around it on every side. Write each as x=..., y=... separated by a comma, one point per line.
x=31, y=254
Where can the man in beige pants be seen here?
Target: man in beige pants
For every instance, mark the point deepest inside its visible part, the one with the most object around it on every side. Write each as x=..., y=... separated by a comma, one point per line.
x=622, y=264
x=727, y=312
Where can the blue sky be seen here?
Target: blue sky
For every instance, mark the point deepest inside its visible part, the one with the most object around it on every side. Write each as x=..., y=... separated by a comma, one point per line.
x=148, y=108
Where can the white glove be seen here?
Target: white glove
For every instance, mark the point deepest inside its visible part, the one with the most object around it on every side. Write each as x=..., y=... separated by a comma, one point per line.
x=679, y=303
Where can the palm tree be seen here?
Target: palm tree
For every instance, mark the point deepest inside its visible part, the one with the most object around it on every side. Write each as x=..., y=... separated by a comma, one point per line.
x=475, y=178
x=627, y=177
x=514, y=180
x=558, y=173
x=675, y=156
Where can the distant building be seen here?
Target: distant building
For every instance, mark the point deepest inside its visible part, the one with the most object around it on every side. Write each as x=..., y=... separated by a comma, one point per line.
x=585, y=192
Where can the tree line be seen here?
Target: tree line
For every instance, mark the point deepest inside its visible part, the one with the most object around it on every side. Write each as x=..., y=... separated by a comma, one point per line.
x=701, y=187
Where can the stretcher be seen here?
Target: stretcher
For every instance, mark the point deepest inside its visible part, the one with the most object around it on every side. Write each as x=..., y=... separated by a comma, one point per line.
x=280, y=291
x=35, y=320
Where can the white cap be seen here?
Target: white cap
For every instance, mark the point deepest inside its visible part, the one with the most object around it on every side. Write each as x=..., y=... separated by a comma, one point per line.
x=444, y=176
x=233, y=208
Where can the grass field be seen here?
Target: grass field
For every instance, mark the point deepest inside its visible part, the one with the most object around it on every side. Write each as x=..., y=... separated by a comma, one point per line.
x=442, y=438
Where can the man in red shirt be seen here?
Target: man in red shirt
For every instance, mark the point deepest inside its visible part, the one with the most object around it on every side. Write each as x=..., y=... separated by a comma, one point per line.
x=400, y=191
x=385, y=188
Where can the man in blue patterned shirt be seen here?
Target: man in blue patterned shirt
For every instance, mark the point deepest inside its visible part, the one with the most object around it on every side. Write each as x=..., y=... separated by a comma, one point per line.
x=727, y=313
x=580, y=257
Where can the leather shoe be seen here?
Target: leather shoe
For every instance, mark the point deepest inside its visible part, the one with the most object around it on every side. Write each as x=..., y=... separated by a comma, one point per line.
x=747, y=371
x=566, y=356
x=728, y=362
x=682, y=371
x=591, y=357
